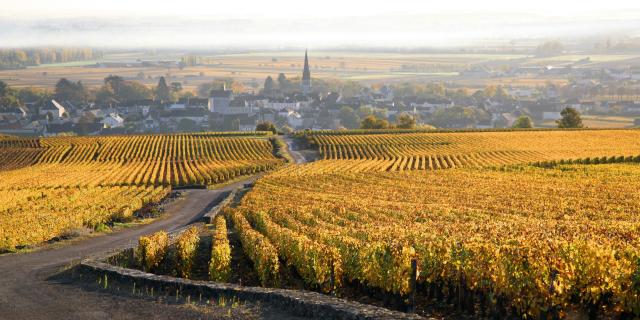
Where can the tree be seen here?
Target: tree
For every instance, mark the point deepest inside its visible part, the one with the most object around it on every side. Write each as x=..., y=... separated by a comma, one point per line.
x=162, y=91
x=66, y=90
x=176, y=87
x=457, y=117
x=4, y=88
x=283, y=82
x=187, y=125
x=115, y=82
x=549, y=48
x=105, y=95
x=266, y=126
x=268, y=85
x=132, y=90
x=371, y=122
x=523, y=122
x=348, y=118
x=84, y=124
x=570, y=119
x=405, y=121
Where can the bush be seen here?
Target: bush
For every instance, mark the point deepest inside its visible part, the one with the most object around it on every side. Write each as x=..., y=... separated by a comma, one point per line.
x=151, y=250
x=186, y=250
x=220, y=264
x=259, y=249
x=266, y=126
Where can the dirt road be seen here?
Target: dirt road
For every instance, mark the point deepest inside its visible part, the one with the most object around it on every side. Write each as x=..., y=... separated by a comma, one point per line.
x=292, y=149
x=26, y=292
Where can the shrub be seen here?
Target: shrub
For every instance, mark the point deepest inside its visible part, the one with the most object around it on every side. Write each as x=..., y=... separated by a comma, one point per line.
x=151, y=250
x=186, y=250
x=220, y=264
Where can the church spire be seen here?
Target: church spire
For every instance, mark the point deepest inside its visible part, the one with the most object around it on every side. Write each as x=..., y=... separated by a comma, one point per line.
x=306, y=75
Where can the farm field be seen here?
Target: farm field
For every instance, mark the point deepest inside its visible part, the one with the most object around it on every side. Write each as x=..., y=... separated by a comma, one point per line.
x=51, y=186
x=253, y=67
x=597, y=121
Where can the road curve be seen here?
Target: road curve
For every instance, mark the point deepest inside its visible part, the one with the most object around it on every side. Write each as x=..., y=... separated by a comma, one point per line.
x=25, y=292
x=296, y=155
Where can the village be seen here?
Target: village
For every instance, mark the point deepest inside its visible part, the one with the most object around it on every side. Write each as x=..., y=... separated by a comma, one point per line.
x=299, y=104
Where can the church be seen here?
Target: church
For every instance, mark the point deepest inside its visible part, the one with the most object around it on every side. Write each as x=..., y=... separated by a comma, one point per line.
x=306, y=75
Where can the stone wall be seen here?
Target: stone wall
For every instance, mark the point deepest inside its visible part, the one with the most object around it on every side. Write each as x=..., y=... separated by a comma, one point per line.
x=300, y=303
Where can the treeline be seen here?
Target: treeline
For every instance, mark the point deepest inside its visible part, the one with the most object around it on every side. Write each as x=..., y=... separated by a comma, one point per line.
x=21, y=58
x=115, y=89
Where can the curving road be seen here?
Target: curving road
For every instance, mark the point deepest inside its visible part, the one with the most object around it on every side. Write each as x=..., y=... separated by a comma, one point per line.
x=296, y=155
x=25, y=292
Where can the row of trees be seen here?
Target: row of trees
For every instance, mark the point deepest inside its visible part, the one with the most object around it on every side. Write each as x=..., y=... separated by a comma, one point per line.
x=403, y=121
x=114, y=88
x=20, y=58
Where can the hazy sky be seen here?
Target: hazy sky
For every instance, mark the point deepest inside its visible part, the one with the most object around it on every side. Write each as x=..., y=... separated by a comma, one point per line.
x=257, y=9
x=274, y=23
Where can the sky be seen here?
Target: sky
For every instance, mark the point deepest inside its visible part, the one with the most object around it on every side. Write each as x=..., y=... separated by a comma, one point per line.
x=277, y=23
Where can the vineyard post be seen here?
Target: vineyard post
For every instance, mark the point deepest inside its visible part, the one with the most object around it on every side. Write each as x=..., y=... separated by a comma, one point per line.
x=412, y=286
x=333, y=280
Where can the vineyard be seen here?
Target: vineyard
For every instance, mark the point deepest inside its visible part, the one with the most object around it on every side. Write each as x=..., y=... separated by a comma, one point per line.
x=524, y=224
x=52, y=186
x=533, y=240
x=429, y=151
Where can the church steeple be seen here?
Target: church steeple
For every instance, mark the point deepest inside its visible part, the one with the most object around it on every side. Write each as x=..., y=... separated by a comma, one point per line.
x=306, y=75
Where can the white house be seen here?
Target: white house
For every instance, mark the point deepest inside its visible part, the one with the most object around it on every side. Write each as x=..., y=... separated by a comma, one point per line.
x=279, y=105
x=113, y=120
x=219, y=100
x=431, y=105
x=54, y=108
x=294, y=119
x=16, y=112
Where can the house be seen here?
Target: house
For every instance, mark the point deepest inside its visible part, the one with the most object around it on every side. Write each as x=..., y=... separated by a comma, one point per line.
x=198, y=103
x=135, y=107
x=150, y=123
x=429, y=106
x=53, y=108
x=510, y=119
x=113, y=120
x=238, y=107
x=279, y=104
x=247, y=124
x=15, y=112
x=294, y=119
x=173, y=117
x=220, y=100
